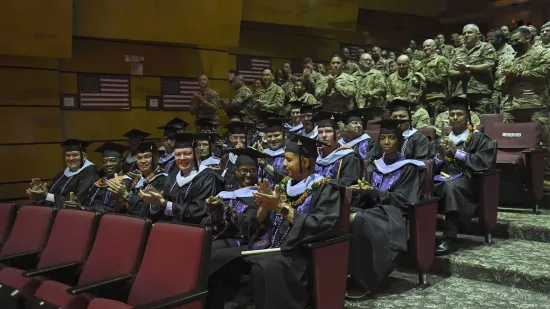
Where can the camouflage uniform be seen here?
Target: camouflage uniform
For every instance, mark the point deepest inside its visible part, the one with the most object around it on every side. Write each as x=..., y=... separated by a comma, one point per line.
x=341, y=97
x=372, y=82
x=306, y=99
x=435, y=70
x=447, y=51
x=527, y=96
x=350, y=67
x=397, y=86
x=478, y=87
x=270, y=100
x=442, y=121
x=288, y=87
x=420, y=118
x=418, y=54
x=242, y=104
x=206, y=106
x=381, y=65
x=505, y=54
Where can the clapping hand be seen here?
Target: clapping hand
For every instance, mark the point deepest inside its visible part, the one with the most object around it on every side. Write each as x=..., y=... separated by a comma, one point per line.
x=117, y=187
x=38, y=191
x=134, y=174
x=151, y=196
x=267, y=198
x=305, y=74
x=331, y=82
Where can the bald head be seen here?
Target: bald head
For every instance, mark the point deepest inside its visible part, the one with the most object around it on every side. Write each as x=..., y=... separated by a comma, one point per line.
x=403, y=59
x=429, y=47
x=403, y=62
x=238, y=81
x=365, y=62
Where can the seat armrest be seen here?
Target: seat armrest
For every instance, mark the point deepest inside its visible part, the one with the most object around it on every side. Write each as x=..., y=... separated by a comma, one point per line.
x=534, y=150
x=19, y=255
x=46, y=270
x=83, y=289
x=175, y=301
x=486, y=173
x=33, y=302
x=330, y=241
x=423, y=202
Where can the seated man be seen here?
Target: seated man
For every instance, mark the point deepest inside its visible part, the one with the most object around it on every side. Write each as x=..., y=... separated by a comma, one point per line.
x=272, y=165
x=456, y=156
x=205, y=143
x=415, y=144
x=134, y=138
x=77, y=178
x=377, y=219
x=309, y=212
x=442, y=121
x=354, y=124
x=104, y=194
x=185, y=192
x=339, y=163
x=296, y=123
x=306, y=116
x=237, y=138
x=173, y=126
x=232, y=214
x=207, y=126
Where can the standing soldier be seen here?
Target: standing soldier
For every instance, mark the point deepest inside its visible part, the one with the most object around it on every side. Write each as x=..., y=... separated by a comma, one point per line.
x=348, y=67
x=242, y=101
x=399, y=83
x=434, y=69
x=371, y=85
x=446, y=50
x=270, y=97
x=337, y=90
x=205, y=103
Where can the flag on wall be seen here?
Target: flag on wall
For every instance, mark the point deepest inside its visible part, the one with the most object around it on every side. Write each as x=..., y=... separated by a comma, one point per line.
x=353, y=51
x=103, y=91
x=178, y=92
x=251, y=67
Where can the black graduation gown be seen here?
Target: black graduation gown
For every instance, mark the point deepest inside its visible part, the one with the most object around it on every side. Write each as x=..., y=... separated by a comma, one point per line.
x=368, y=148
x=188, y=201
x=167, y=163
x=280, y=279
x=101, y=200
x=229, y=167
x=346, y=169
x=458, y=193
x=135, y=205
x=416, y=147
x=128, y=166
x=379, y=227
x=79, y=183
x=278, y=172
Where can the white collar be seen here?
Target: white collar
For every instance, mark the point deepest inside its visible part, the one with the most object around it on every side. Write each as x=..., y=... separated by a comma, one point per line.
x=296, y=128
x=167, y=157
x=210, y=161
x=409, y=132
x=386, y=169
x=275, y=153
x=312, y=134
x=459, y=138
x=233, y=157
x=183, y=180
x=68, y=172
x=335, y=155
x=242, y=192
x=354, y=142
x=302, y=186
x=131, y=158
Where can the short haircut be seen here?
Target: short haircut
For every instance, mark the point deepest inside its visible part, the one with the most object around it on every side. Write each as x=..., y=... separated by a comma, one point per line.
x=523, y=30
x=337, y=55
x=476, y=28
x=307, y=60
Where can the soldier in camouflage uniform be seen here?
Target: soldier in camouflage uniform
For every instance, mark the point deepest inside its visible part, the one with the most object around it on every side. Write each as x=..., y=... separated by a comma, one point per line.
x=309, y=75
x=446, y=50
x=545, y=35
x=442, y=121
x=471, y=71
x=270, y=97
x=242, y=101
x=349, y=67
x=371, y=84
x=434, y=68
x=414, y=64
x=416, y=54
x=284, y=82
x=400, y=82
x=301, y=94
x=337, y=90
x=420, y=117
x=504, y=53
x=205, y=102
x=379, y=63
x=525, y=86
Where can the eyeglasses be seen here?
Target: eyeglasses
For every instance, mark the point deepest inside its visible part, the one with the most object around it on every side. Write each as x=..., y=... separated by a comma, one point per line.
x=251, y=171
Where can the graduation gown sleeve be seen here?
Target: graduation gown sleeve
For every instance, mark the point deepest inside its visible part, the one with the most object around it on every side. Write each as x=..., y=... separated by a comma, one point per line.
x=193, y=208
x=405, y=191
x=136, y=206
x=80, y=184
x=351, y=169
x=479, y=154
x=417, y=147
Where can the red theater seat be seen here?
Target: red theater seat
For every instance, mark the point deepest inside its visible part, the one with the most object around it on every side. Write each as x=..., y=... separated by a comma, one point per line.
x=69, y=243
x=113, y=261
x=488, y=121
x=174, y=271
x=488, y=197
x=430, y=133
x=7, y=216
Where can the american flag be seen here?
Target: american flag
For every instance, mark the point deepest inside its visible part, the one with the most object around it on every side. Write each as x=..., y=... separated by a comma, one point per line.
x=251, y=67
x=105, y=92
x=178, y=92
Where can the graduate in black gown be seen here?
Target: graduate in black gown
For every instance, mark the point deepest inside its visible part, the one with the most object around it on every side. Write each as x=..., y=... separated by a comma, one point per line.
x=272, y=165
x=103, y=197
x=306, y=116
x=176, y=125
x=378, y=221
x=129, y=163
x=232, y=214
x=237, y=138
x=205, y=145
x=185, y=190
x=77, y=178
x=208, y=126
x=295, y=125
x=456, y=156
x=151, y=176
x=305, y=208
x=341, y=163
x=415, y=144
x=354, y=137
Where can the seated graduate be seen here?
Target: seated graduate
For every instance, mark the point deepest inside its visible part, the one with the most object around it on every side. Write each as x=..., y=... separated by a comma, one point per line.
x=306, y=208
x=237, y=138
x=185, y=191
x=205, y=144
x=209, y=126
x=339, y=163
x=415, y=144
x=354, y=124
x=306, y=116
x=272, y=165
x=129, y=163
x=104, y=194
x=77, y=178
x=377, y=220
x=176, y=125
x=295, y=125
x=456, y=156
x=232, y=214
x=151, y=176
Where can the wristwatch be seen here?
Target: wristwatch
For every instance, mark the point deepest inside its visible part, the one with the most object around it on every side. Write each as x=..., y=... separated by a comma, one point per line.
x=467, y=67
x=284, y=211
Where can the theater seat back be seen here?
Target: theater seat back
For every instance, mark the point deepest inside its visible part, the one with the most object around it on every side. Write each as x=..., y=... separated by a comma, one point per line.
x=117, y=248
x=30, y=230
x=427, y=184
x=70, y=239
x=428, y=132
x=176, y=261
x=7, y=216
x=374, y=134
x=488, y=121
x=372, y=126
x=517, y=135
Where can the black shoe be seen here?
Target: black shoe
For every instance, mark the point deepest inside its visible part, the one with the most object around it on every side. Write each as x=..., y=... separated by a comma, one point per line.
x=447, y=246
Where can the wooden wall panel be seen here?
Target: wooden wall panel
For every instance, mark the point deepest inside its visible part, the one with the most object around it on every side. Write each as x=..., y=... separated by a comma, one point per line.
x=207, y=22
x=36, y=28
x=30, y=125
x=24, y=162
x=29, y=87
x=13, y=191
x=423, y=7
x=28, y=62
x=141, y=87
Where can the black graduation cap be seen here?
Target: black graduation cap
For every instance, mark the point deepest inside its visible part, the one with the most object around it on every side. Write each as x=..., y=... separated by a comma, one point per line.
x=308, y=108
x=212, y=137
x=135, y=133
x=328, y=118
x=239, y=127
x=205, y=123
x=274, y=123
x=75, y=145
x=147, y=146
x=246, y=156
x=367, y=113
x=184, y=140
x=458, y=102
x=110, y=149
x=391, y=126
x=295, y=103
x=401, y=104
x=176, y=125
x=303, y=146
